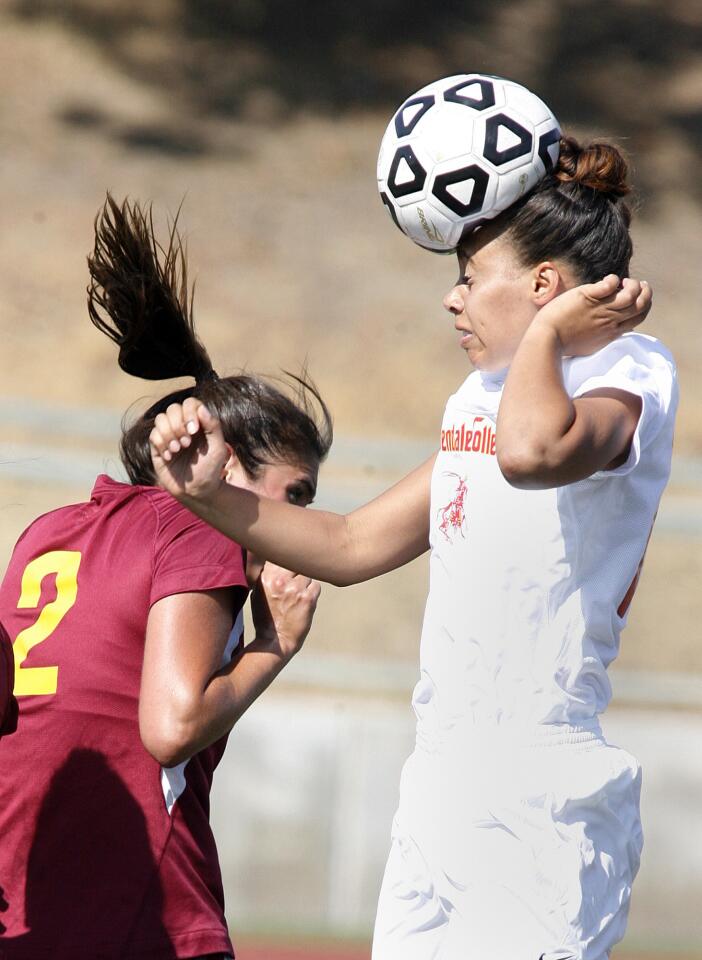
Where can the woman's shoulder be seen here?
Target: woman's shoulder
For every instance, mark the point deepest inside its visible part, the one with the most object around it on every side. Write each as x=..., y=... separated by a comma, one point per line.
x=115, y=494
x=641, y=346
x=167, y=520
x=634, y=359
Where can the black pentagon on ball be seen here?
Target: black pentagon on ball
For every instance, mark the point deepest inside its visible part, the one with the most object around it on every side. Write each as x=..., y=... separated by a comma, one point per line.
x=482, y=102
x=403, y=129
x=547, y=140
x=480, y=179
x=419, y=174
x=492, y=129
x=388, y=203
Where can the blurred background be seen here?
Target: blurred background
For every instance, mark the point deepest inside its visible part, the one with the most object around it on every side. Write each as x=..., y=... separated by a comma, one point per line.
x=264, y=118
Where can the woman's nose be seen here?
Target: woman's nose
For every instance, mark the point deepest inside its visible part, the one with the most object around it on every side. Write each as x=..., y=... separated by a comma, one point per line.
x=452, y=301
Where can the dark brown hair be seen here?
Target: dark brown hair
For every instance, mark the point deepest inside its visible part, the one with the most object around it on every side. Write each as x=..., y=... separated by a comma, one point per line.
x=138, y=296
x=576, y=214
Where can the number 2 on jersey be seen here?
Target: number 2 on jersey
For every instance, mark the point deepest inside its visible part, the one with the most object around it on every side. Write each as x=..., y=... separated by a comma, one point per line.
x=63, y=563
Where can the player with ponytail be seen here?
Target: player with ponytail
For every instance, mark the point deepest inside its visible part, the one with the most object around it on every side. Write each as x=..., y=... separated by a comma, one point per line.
x=517, y=835
x=130, y=666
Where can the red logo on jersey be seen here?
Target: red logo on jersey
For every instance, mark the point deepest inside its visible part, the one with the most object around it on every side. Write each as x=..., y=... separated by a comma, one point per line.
x=452, y=516
x=480, y=438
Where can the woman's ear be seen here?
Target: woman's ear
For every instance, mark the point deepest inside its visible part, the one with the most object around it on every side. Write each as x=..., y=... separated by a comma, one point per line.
x=550, y=279
x=547, y=282
x=232, y=469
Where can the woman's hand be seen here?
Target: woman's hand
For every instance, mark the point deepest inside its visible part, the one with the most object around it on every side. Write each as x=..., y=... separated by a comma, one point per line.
x=188, y=451
x=282, y=607
x=587, y=318
x=544, y=437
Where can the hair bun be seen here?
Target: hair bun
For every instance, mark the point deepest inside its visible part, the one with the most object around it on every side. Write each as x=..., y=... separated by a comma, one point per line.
x=598, y=165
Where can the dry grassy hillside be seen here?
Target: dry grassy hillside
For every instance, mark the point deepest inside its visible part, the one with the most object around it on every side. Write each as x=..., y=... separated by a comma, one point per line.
x=294, y=255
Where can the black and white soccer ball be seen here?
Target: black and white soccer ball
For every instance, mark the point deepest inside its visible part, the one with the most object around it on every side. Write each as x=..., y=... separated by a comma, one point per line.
x=460, y=151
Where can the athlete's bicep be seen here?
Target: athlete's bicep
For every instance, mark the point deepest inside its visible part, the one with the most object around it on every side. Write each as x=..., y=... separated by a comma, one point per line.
x=186, y=635
x=394, y=528
x=601, y=435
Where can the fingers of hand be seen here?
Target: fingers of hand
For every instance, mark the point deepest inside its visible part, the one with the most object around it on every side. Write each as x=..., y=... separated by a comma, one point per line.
x=630, y=290
x=180, y=433
x=644, y=300
x=620, y=305
x=208, y=421
x=296, y=588
x=162, y=437
x=602, y=289
x=280, y=578
x=274, y=579
x=192, y=413
x=170, y=434
x=636, y=311
x=158, y=444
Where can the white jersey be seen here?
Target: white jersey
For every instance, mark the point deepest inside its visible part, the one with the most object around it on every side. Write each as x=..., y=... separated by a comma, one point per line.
x=518, y=833
x=529, y=589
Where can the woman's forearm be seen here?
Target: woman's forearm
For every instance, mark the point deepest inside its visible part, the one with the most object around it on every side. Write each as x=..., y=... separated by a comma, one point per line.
x=547, y=439
x=312, y=542
x=535, y=412
x=212, y=714
x=339, y=549
x=188, y=700
x=189, y=455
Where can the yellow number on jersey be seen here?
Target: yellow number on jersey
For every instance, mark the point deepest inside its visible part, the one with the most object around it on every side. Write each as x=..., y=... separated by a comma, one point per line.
x=63, y=563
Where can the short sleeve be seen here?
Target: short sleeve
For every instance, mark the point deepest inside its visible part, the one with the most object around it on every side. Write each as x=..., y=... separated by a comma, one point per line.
x=191, y=556
x=637, y=364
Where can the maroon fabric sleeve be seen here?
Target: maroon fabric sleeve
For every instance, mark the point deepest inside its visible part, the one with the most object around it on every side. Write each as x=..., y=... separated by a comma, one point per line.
x=191, y=556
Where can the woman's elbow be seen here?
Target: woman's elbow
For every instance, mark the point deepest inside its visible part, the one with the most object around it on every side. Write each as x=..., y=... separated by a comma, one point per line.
x=168, y=750
x=522, y=467
x=169, y=738
x=517, y=465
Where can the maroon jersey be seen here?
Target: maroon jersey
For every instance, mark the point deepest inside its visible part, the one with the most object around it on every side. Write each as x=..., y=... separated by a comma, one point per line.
x=101, y=854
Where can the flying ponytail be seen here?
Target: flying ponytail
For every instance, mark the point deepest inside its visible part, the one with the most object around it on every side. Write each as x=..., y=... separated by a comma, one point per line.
x=138, y=296
x=140, y=299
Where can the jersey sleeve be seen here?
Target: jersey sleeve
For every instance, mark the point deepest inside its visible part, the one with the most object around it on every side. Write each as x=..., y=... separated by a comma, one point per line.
x=636, y=364
x=191, y=556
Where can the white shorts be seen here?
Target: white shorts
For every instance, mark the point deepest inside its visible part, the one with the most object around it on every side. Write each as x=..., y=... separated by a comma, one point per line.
x=505, y=852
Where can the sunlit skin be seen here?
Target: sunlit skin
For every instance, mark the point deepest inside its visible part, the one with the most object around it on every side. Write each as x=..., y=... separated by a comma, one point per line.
x=496, y=298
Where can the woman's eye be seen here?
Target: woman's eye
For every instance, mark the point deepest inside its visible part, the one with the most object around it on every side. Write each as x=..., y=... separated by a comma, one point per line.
x=299, y=496
x=465, y=280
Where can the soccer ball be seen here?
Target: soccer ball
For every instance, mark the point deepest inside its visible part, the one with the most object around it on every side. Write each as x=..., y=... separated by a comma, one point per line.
x=460, y=151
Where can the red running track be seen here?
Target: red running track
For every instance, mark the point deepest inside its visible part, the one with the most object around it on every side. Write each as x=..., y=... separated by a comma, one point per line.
x=257, y=950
